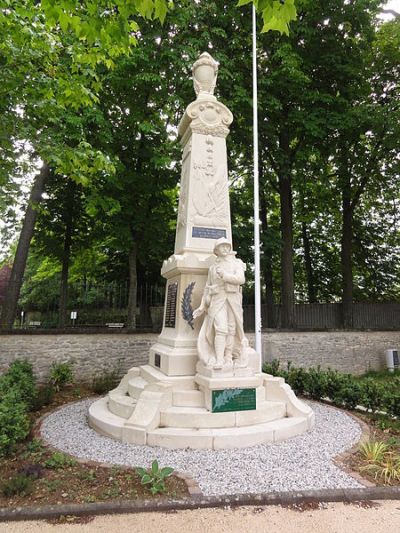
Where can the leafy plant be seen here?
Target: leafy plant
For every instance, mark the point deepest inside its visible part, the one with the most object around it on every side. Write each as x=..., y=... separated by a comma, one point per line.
x=388, y=468
x=373, y=451
x=45, y=395
x=20, y=484
x=59, y=460
x=60, y=375
x=350, y=394
x=155, y=477
x=20, y=378
x=105, y=382
x=35, y=471
x=14, y=421
x=316, y=383
x=371, y=394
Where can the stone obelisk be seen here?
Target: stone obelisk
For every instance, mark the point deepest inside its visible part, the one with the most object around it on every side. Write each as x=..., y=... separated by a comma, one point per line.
x=202, y=387
x=203, y=217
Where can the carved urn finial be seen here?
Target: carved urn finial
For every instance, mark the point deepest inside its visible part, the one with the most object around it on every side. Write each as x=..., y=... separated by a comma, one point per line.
x=204, y=71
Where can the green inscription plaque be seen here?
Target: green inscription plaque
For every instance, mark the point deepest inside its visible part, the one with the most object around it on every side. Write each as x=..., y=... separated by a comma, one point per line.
x=233, y=400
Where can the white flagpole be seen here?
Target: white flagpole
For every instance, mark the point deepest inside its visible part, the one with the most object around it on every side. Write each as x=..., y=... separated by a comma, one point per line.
x=257, y=285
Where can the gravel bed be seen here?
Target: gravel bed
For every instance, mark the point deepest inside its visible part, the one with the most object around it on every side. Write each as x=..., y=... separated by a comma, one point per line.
x=301, y=463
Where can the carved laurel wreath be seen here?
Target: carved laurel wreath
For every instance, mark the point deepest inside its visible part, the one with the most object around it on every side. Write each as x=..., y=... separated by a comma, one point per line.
x=187, y=309
x=226, y=396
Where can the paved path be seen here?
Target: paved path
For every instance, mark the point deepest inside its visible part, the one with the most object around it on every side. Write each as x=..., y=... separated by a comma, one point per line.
x=381, y=517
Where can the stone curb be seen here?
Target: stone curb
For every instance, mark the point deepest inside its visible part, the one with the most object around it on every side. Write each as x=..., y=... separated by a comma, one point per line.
x=198, y=502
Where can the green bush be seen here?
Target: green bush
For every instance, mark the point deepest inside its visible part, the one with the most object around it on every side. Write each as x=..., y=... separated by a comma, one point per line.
x=275, y=369
x=20, y=378
x=391, y=403
x=343, y=390
x=45, y=395
x=60, y=375
x=316, y=383
x=105, y=382
x=297, y=379
x=350, y=394
x=14, y=421
x=19, y=484
x=372, y=394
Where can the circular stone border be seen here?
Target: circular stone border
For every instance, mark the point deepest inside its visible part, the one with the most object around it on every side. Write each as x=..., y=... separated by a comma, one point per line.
x=244, y=471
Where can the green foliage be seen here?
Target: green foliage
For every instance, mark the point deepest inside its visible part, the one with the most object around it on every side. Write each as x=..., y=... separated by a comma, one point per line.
x=276, y=15
x=373, y=451
x=344, y=390
x=45, y=396
x=59, y=460
x=20, y=485
x=316, y=383
x=14, y=421
x=350, y=394
x=60, y=375
x=386, y=468
x=155, y=477
x=372, y=394
x=105, y=382
x=20, y=379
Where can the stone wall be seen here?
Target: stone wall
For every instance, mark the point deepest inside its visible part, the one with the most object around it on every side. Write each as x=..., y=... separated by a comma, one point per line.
x=93, y=354
x=354, y=352
x=90, y=354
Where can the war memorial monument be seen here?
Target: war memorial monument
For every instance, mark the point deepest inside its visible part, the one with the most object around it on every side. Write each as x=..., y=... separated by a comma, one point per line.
x=203, y=386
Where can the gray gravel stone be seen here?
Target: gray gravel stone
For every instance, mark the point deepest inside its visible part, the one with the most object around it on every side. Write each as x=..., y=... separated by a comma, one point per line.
x=301, y=463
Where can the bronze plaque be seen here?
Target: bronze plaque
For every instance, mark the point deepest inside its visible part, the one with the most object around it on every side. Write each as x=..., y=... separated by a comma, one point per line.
x=170, y=307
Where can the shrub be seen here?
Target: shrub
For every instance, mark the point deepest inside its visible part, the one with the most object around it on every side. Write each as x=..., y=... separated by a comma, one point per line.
x=391, y=403
x=274, y=369
x=45, y=395
x=316, y=383
x=297, y=379
x=60, y=375
x=19, y=484
x=350, y=394
x=372, y=393
x=14, y=421
x=105, y=382
x=20, y=378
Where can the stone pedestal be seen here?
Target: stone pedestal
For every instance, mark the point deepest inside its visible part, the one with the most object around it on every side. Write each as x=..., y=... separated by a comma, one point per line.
x=191, y=394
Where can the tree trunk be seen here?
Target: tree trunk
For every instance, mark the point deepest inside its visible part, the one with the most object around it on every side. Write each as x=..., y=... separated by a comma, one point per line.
x=268, y=275
x=346, y=256
x=69, y=226
x=18, y=269
x=312, y=296
x=132, y=291
x=287, y=274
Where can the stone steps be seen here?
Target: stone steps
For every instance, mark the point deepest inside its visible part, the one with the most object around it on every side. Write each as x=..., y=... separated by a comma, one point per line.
x=188, y=398
x=200, y=417
x=238, y=436
x=104, y=421
x=228, y=438
x=120, y=404
x=136, y=386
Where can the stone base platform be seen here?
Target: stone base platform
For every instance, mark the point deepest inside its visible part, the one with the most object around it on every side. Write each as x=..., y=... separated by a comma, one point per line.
x=151, y=408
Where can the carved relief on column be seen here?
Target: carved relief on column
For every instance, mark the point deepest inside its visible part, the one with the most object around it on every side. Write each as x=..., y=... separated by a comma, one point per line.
x=209, y=118
x=210, y=198
x=182, y=209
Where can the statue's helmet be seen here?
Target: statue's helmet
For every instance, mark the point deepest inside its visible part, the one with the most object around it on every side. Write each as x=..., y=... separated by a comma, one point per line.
x=221, y=241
